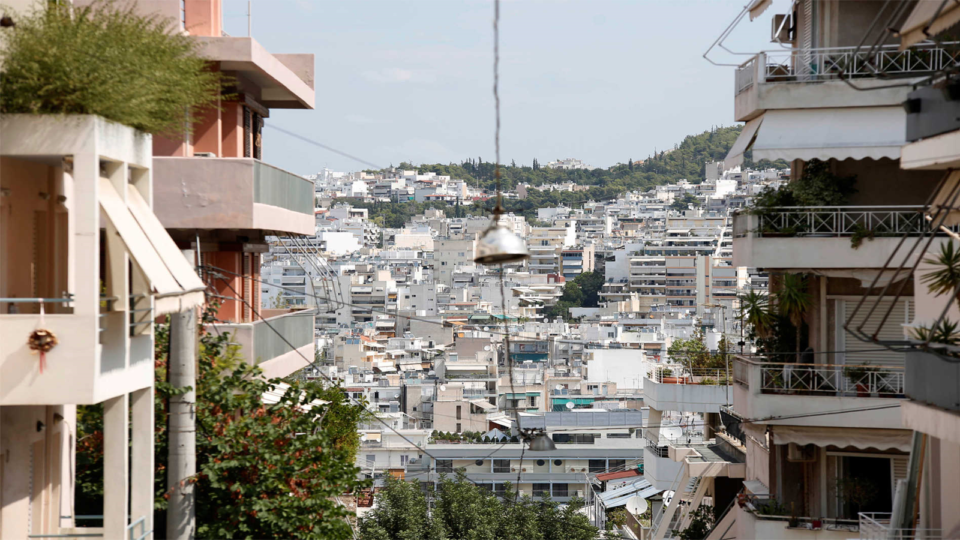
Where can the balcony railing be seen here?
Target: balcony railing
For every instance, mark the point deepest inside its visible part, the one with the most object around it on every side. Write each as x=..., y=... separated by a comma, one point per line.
x=835, y=221
x=296, y=328
x=823, y=379
x=815, y=65
x=679, y=375
x=277, y=187
x=876, y=526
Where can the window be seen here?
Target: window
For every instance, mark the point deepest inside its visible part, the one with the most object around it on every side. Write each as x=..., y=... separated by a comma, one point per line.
x=403, y=460
x=598, y=465
x=458, y=416
x=501, y=465
x=617, y=464
x=560, y=490
x=500, y=489
x=459, y=427
x=615, y=435
x=540, y=490
x=479, y=463
x=444, y=465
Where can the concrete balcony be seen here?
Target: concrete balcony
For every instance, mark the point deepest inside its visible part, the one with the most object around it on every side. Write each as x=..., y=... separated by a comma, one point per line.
x=773, y=389
x=793, y=79
x=261, y=342
x=701, y=392
x=821, y=237
x=231, y=193
x=751, y=524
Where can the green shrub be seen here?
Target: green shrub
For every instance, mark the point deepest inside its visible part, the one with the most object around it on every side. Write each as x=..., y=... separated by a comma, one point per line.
x=108, y=61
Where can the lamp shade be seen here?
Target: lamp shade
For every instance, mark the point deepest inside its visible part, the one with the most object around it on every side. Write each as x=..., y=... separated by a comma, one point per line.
x=500, y=246
x=541, y=443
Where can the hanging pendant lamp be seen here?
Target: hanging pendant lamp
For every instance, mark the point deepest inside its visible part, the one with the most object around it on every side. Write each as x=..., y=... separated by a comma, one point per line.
x=499, y=245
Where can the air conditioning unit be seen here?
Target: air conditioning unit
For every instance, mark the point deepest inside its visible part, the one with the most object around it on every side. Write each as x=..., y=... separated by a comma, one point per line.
x=205, y=154
x=781, y=29
x=580, y=493
x=801, y=454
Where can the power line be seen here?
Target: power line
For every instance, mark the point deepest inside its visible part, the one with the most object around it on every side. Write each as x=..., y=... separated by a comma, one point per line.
x=325, y=147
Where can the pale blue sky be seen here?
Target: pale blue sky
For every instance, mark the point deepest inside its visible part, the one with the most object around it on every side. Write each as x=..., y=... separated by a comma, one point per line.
x=600, y=80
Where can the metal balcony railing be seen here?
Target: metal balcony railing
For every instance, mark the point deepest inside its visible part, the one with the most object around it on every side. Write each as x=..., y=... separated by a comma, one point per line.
x=674, y=374
x=876, y=526
x=836, y=221
x=815, y=65
x=822, y=379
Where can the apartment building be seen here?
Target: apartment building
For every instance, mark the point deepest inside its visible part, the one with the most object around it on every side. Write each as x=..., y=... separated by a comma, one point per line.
x=832, y=420
x=95, y=273
x=214, y=193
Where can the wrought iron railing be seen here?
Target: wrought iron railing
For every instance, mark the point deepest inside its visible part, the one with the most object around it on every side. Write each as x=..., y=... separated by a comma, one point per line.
x=835, y=221
x=823, y=379
x=876, y=526
x=800, y=65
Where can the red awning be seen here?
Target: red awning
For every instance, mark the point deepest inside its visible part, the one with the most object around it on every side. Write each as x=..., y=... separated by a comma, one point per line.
x=604, y=477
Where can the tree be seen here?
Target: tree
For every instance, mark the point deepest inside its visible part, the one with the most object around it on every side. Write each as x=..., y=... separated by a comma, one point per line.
x=794, y=301
x=755, y=312
x=109, y=61
x=461, y=509
x=263, y=470
x=583, y=291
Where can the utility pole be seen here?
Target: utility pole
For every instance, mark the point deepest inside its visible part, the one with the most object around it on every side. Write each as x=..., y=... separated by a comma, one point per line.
x=182, y=450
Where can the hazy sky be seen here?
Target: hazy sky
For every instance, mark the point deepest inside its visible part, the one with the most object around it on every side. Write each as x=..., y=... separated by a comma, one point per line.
x=600, y=80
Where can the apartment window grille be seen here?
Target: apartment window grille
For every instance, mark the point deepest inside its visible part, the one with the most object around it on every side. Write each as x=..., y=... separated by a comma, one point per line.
x=560, y=490
x=598, y=465
x=541, y=490
x=444, y=465
x=501, y=465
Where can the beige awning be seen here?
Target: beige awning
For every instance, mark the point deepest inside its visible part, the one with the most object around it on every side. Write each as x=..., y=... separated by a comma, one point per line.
x=169, y=294
x=485, y=405
x=181, y=270
x=758, y=7
x=831, y=133
x=922, y=18
x=742, y=144
x=862, y=438
x=948, y=198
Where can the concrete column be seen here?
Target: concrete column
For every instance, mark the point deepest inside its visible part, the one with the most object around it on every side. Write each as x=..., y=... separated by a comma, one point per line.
x=711, y=421
x=182, y=452
x=141, y=452
x=116, y=469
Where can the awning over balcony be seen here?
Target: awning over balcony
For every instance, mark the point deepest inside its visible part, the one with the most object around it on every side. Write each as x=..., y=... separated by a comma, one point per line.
x=862, y=438
x=948, y=199
x=924, y=14
x=830, y=133
x=757, y=7
x=742, y=144
x=173, y=283
x=485, y=405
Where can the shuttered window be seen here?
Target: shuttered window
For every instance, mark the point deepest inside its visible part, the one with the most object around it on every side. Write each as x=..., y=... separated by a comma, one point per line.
x=859, y=352
x=899, y=466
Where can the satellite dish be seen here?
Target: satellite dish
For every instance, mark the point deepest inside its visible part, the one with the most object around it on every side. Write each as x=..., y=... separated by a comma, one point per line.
x=485, y=328
x=363, y=437
x=486, y=347
x=559, y=387
x=570, y=405
x=636, y=505
x=443, y=387
x=396, y=395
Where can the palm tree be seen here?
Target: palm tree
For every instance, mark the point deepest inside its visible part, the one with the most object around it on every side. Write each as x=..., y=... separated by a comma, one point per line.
x=755, y=311
x=794, y=301
x=946, y=278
